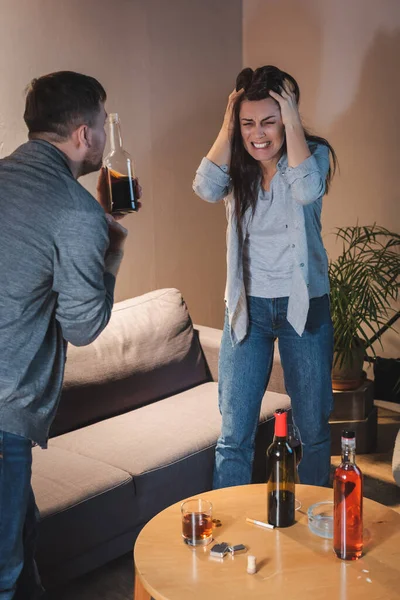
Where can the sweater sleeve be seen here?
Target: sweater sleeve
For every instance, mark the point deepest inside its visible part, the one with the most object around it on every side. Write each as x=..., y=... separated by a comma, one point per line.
x=307, y=180
x=212, y=183
x=85, y=291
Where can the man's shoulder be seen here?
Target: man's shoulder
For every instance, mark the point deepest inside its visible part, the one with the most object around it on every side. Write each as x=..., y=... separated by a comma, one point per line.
x=81, y=198
x=81, y=214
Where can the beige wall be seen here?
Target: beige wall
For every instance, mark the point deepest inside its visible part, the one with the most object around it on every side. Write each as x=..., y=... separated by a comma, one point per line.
x=168, y=67
x=345, y=55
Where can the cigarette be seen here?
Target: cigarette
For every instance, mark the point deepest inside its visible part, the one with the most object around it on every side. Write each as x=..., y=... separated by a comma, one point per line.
x=260, y=523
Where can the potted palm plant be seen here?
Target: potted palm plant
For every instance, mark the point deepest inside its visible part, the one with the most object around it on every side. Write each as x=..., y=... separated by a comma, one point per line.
x=364, y=286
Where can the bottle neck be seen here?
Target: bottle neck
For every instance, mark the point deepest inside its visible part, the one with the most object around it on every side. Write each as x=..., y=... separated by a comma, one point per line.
x=115, y=136
x=348, y=451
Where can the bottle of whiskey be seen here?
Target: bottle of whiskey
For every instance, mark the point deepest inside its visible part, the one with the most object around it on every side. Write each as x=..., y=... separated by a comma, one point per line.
x=348, y=502
x=120, y=172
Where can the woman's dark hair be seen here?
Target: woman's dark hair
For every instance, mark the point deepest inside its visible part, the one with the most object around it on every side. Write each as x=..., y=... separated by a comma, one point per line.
x=60, y=102
x=245, y=171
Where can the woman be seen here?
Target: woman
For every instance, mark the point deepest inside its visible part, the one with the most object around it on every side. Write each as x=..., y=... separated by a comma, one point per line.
x=272, y=175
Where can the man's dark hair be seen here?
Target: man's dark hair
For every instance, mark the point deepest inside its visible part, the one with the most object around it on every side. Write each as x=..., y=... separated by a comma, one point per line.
x=60, y=102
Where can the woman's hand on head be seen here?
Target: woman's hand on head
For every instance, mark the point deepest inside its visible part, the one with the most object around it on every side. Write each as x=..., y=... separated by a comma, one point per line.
x=287, y=103
x=228, y=123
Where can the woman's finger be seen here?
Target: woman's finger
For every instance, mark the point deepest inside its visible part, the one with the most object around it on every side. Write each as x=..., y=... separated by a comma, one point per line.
x=289, y=86
x=276, y=96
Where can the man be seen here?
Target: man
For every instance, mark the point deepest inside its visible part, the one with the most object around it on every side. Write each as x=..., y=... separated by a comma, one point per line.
x=60, y=254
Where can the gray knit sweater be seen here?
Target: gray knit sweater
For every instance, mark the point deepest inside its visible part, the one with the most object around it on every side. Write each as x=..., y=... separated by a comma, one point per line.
x=53, y=239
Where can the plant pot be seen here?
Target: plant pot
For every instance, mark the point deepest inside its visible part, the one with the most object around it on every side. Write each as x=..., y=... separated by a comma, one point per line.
x=349, y=376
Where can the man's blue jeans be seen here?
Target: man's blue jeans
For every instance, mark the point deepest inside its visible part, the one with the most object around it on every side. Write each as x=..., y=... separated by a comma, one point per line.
x=244, y=372
x=18, y=574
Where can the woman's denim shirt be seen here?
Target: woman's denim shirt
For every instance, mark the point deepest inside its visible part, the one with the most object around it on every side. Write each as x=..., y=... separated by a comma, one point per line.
x=304, y=187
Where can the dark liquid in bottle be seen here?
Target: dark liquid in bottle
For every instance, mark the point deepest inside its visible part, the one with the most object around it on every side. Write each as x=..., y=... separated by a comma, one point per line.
x=122, y=192
x=281, y=508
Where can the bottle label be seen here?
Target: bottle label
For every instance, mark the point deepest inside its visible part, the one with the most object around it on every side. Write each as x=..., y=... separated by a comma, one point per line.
x=349, y=443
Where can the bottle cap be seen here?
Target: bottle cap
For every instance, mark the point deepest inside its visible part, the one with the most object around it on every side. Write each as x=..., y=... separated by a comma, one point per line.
x=348, y=435
x=113, y=118
x=280, y=423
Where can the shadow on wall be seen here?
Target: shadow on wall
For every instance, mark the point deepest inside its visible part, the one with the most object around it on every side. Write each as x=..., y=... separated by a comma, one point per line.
x=366, y=138
x=289, y=36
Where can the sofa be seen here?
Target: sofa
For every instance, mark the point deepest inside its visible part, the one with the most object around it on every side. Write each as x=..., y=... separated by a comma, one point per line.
x=135, y=431
x=396, y=459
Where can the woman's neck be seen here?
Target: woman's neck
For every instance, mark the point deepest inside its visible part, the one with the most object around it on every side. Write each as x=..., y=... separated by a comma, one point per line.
x=269, y=169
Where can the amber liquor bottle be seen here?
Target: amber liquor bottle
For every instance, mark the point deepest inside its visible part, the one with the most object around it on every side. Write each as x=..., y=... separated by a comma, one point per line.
x=348, y=502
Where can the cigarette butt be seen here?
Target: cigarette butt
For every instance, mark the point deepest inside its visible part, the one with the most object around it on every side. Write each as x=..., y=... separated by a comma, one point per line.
x=260, y=523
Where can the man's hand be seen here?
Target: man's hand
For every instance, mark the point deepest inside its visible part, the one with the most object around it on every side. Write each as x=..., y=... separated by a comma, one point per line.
x=103, y=197
x=117, y=234
x=287, y=103
x=115, y=252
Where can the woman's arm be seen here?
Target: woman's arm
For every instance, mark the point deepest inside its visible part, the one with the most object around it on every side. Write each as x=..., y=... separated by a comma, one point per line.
x=307, y=181
x=220, y=152
x=212, y=183
x=296, y=143
x=306, y=173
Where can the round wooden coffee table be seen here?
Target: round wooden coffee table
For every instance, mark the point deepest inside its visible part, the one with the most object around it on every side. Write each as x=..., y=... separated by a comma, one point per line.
x=293, y=563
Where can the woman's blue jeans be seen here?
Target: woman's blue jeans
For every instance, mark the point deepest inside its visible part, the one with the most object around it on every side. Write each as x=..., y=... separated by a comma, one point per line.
x=244, y=372
x=19, y=579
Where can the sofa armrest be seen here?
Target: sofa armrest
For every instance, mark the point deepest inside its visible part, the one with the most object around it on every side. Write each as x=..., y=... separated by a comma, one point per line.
x=396, y=460
x=210, y=341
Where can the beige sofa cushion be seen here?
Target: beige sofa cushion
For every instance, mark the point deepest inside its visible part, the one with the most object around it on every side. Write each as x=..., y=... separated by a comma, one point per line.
x=177, y=427
x=61, y=479
x=82, y=503
x=148, y=351
x=164, y=444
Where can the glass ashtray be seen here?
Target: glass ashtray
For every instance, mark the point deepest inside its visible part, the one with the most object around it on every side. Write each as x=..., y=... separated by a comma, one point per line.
x=320, y=519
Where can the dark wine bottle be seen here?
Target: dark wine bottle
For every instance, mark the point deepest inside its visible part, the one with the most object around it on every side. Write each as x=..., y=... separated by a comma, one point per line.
x=281, y=470
x=348, y=502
